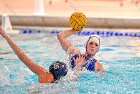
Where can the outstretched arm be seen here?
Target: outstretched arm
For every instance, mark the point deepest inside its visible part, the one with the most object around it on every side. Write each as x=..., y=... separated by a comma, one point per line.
x=40, y=71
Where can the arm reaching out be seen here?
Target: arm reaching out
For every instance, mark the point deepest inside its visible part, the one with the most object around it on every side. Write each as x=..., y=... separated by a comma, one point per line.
x=40, y=71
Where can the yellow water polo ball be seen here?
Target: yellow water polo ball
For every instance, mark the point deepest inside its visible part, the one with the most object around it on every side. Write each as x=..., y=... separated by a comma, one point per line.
x=78, y=20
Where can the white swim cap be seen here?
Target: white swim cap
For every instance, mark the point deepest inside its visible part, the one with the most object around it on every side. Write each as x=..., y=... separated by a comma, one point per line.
x=93, y=38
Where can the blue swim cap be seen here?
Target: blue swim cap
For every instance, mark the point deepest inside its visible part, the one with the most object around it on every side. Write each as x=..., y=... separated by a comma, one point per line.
x=58, y=69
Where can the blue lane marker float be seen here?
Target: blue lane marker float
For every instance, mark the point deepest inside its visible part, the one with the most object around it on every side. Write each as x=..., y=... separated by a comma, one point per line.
x=29, y=31
x=102, y=33
x=86, y=32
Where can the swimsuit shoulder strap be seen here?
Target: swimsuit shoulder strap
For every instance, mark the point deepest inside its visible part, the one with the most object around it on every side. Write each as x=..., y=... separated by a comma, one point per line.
x=90, y=65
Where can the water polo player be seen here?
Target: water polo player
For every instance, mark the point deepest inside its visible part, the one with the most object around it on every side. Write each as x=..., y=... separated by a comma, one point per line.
x=87, y=59
x=57, y=69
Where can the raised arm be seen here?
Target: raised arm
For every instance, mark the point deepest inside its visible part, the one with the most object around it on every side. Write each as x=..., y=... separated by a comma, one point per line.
x=40, y=71
x=62, y=38
x=65, y=43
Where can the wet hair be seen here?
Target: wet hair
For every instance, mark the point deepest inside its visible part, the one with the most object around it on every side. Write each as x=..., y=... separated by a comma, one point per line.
x=58, y=69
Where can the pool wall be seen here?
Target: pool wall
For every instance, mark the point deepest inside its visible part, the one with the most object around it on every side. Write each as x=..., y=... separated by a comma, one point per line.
x=49, y=21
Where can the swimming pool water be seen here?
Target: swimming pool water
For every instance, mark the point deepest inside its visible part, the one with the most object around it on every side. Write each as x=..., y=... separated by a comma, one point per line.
x=118, y=54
